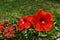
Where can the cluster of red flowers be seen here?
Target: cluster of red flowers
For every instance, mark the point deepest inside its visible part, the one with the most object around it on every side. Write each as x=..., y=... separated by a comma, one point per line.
x=41, y=20
x=7, y=30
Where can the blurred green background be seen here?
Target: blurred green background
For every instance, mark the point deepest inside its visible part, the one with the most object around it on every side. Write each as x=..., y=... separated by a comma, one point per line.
x=16, y=8
x=10, y=9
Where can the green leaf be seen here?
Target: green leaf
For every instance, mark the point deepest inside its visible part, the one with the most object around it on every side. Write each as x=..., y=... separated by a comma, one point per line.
x=56, y=28
x=53, y=36
x=42, y=34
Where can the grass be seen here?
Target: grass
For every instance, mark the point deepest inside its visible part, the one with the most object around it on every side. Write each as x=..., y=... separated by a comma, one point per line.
x=18, y=8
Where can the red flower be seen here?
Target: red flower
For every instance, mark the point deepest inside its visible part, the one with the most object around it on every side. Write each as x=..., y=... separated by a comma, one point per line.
x=11, y=27
x=24, y=22
x=6, y=30
x=9, y=31
x=42, y=21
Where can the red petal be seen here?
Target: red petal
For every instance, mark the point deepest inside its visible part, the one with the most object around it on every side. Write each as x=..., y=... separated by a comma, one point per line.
x=20, y=28
x=27, y=25
x=47, y=27
x=48, y=17
x=38, y=27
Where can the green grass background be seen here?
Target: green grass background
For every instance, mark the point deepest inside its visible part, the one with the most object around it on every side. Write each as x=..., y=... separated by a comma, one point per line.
x=16, y=8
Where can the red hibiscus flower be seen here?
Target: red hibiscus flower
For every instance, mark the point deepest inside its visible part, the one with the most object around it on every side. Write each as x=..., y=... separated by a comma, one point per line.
x=42, y=21
x=24, y=22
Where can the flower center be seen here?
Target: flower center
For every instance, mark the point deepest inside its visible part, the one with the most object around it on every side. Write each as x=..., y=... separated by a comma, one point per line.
x=24, y=21
x=42, y=21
